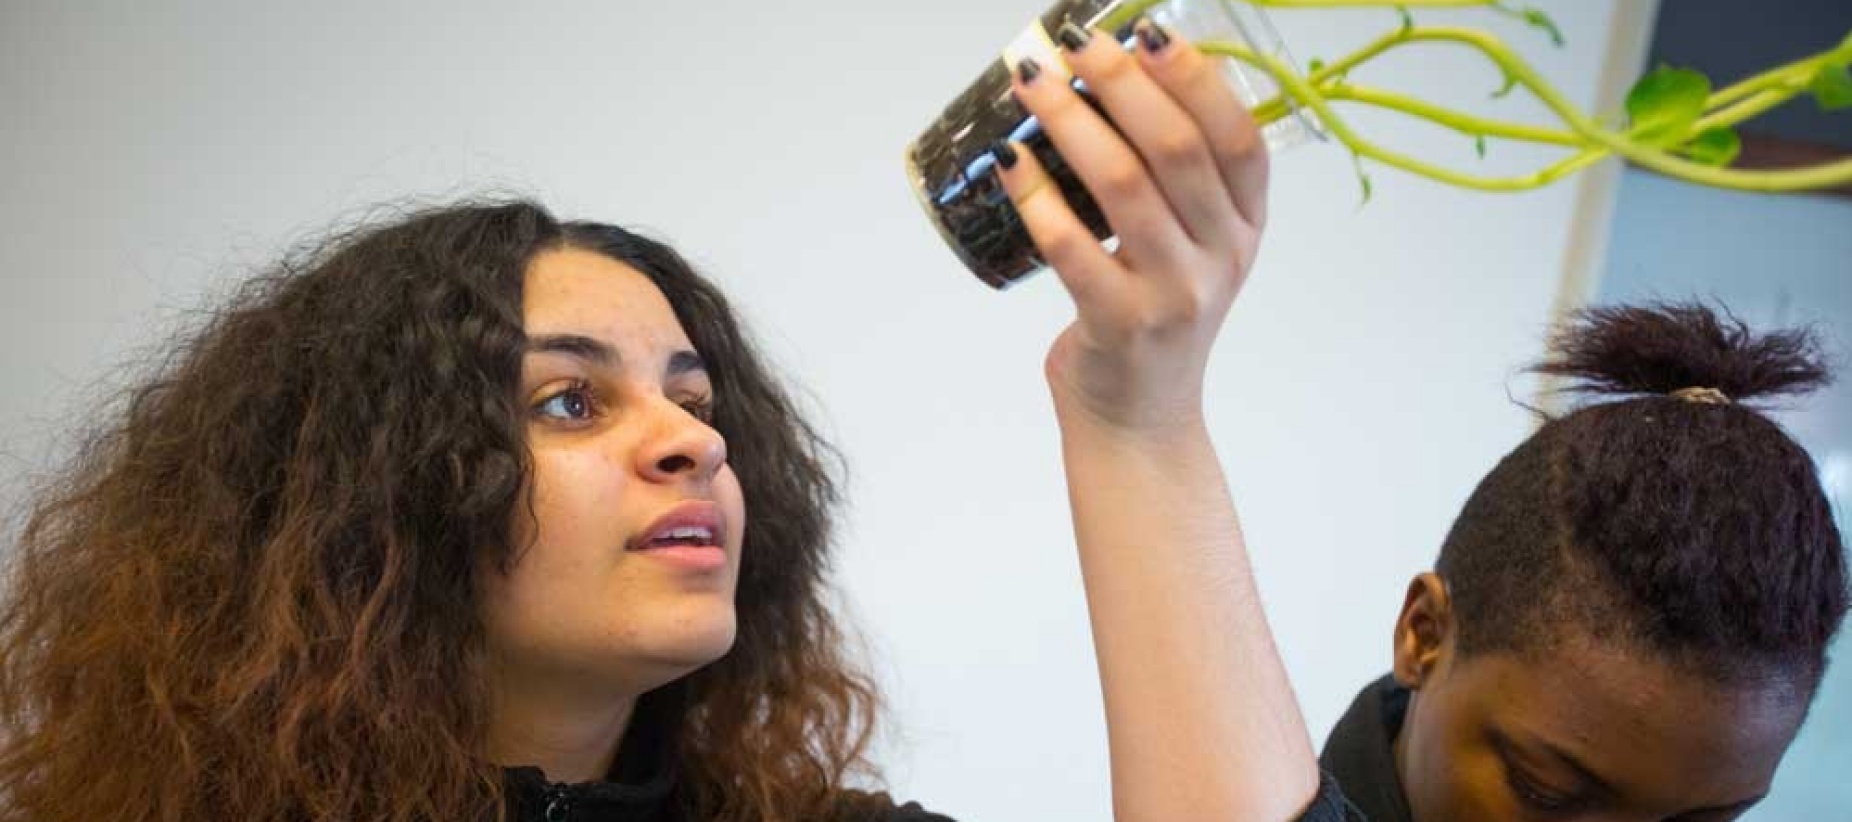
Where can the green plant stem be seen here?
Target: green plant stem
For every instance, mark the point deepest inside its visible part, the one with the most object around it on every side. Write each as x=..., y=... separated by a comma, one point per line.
x=1310, y=98
x=1727, y=107
x=1800, y=71
x=1130, y=11
x=1823, y=176
x=1593, y=137
x=1470, y=124
x=1745, y=109
x=1279, y=106
x=1464, y=123
x=1751, y=97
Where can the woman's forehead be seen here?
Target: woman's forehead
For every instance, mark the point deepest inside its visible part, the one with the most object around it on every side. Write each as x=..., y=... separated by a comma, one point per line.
x=584, y=293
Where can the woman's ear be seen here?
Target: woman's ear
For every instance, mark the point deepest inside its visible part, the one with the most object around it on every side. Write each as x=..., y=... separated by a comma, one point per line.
x=1424, y=633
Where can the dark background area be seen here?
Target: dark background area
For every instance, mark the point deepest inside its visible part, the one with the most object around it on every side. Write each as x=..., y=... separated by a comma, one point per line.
x=1729, y=40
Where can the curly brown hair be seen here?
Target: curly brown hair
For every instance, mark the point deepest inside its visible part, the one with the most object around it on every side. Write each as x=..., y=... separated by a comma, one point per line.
x=253, y=594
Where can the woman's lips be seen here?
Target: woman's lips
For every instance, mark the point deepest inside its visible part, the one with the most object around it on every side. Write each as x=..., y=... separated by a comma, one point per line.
x=692, y=535
x=700, y=558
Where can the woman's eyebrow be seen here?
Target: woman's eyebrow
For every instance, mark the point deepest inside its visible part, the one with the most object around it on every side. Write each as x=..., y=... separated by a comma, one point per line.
x=597, y=352
x=686, y=362
x=575, y=345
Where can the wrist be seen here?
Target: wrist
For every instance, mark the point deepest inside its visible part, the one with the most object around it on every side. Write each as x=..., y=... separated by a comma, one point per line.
x=1148, y=430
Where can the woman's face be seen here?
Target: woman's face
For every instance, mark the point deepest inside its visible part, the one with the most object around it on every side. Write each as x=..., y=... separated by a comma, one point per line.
x=1581, y=730
x=623, y=579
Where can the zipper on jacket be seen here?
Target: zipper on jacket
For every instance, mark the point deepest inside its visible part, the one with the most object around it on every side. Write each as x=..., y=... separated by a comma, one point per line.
x=558, y=806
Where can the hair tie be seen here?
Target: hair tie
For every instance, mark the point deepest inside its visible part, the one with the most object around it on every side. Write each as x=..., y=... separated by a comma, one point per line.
x=1706, y=396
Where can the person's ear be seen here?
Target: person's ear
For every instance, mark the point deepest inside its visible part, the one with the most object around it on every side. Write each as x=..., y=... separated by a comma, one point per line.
x=1424, y=632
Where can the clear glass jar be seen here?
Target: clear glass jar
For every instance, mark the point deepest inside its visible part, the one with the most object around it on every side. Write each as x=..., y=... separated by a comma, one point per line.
x=949, y=164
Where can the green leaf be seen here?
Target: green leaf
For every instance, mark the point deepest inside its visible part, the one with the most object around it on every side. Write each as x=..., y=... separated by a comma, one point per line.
x=1316, y=65
x=1479, y=145
x=1715, y=147
x=1408, y=20
x=1665, y=103
x=1832, y=87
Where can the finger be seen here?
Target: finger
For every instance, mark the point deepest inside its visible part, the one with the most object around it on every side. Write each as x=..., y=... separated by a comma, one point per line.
x=1196, y=83
x=1085, y=267
x=1167, y=139
x=1104, y=163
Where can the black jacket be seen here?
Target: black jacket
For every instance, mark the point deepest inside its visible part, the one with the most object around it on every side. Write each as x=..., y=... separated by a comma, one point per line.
x=1361, y=751
x=641, y=787
x=642, y=784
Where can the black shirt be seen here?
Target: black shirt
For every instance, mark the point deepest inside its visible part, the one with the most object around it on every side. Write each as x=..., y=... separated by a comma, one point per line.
x=641, y=786
x=642, y=782
x=1360, y=752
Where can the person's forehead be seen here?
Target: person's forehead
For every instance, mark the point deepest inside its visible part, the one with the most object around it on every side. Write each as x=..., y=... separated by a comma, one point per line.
x=584, y=293
x=1648, y=727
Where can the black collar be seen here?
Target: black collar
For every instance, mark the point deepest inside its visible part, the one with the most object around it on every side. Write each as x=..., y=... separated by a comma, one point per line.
x=1361, y=751
x=640, y=787
x=533, y=797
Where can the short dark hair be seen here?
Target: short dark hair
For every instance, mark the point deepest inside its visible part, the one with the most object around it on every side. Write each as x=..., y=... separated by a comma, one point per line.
x=1695, y=530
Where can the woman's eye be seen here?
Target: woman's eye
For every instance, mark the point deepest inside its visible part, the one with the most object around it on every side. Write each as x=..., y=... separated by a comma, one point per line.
x=1538, y=798
x=701, y=409
x=573, y=403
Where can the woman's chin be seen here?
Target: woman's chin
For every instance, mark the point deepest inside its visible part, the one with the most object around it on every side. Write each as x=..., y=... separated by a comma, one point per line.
x=695, y=638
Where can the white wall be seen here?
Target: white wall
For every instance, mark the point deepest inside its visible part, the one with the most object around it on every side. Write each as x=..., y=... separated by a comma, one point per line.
x=1776, y=262
x=152, y=152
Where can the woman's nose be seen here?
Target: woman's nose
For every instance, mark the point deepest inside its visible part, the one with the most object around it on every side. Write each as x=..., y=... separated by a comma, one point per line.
x=681, y=446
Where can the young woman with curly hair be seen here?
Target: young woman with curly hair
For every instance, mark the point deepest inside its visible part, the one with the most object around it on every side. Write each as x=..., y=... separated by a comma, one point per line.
x=480, y=513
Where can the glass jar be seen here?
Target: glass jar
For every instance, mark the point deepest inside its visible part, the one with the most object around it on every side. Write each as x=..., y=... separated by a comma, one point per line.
x=950, y=166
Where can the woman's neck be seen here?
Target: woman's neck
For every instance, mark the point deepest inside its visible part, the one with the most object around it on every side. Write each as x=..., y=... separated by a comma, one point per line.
x=571, y=737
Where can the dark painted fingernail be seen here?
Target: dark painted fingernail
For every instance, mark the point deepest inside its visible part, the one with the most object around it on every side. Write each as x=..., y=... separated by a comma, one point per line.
x=1028, y=70
x=1152, y=36
x=1072, y=37
x=1005, y=154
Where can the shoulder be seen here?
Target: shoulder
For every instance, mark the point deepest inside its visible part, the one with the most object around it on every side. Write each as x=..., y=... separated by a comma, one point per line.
x=912, y=812
x=1331, y=805
x=879, y=807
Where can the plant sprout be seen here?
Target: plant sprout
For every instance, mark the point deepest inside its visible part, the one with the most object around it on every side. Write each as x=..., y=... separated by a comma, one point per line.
x=1676, y=123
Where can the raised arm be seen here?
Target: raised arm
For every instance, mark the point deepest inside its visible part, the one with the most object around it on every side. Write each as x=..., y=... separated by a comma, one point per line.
x=1202, y=722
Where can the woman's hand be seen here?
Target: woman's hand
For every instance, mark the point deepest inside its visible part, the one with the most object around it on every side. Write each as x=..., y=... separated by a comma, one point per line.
x=1185, y=190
